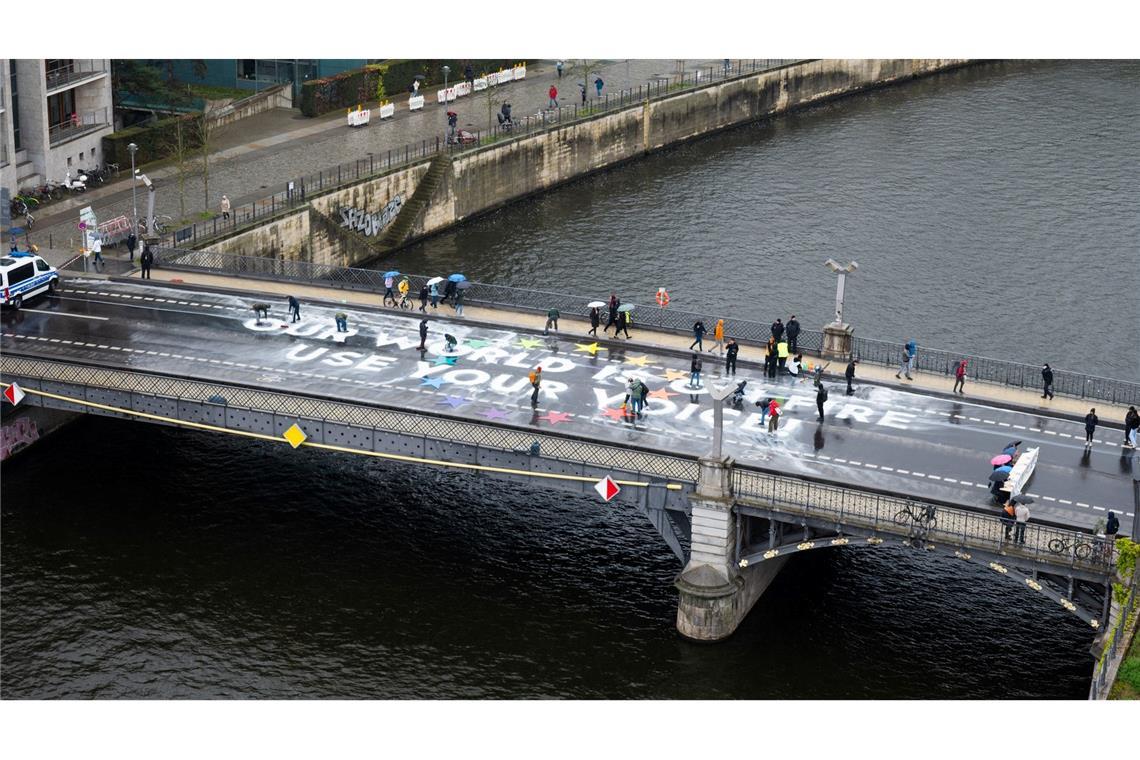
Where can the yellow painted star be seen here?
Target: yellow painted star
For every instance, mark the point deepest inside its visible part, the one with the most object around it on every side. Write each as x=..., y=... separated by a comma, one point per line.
x=592, y=348
x=529, y=342
x=640, y=361
x=675, y=374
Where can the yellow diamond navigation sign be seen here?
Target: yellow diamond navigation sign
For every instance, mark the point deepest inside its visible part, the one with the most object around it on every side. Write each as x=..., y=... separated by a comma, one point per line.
x=295, y=435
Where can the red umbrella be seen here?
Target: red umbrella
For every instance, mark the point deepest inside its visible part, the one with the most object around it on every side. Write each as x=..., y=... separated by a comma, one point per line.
x=1001, y=459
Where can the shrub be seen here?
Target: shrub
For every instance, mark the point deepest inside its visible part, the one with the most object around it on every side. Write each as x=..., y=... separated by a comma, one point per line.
x=154, y=141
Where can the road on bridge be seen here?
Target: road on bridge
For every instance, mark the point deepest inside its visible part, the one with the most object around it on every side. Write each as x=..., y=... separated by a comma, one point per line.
x=880, y=437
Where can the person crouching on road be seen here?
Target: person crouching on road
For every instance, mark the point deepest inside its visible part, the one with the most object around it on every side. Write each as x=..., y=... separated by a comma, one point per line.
x=341, y=321
x=294, y=309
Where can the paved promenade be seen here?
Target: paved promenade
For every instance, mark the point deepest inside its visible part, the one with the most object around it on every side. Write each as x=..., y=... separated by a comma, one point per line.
x=257, y=156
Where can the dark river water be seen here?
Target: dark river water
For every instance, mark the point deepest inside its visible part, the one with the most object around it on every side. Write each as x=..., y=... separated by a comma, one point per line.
x=991, y=209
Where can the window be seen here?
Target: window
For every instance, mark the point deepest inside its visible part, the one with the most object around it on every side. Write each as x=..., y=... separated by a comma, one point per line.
x=69, y=160
x=42, y=265
x=19, y=274
x=61, y=107
x=80, y=155
x=15, y=104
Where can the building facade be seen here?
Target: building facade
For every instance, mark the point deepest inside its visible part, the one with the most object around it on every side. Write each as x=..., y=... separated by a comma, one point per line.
x=54, y=114
x=258, y=73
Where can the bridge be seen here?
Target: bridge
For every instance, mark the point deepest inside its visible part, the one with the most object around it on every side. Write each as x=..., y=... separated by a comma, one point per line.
x=887, y=466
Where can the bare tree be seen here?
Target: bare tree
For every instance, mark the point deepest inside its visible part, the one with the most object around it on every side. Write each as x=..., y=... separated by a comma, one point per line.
x=582, y=69
x=205, y=130
x=492, y=97
x=185, y=165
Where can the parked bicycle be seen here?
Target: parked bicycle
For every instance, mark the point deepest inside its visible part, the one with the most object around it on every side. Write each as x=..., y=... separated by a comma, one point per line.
x=912, y=514
x=23, y=204
x=161, y=221
x=1073, y=546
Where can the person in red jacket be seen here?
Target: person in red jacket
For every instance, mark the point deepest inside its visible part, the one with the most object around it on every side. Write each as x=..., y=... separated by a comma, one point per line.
x=960, y=378
x=553, y=96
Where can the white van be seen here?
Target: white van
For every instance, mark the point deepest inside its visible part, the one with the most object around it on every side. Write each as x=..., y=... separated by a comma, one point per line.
x=23, y=275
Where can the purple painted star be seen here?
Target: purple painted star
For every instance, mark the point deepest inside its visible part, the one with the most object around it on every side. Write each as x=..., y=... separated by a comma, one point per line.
x=454, y=401
x=495, y=414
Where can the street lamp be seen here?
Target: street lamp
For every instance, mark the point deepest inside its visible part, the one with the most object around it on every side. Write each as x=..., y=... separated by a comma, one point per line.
x=837, y=335
x=132, y=149
x=446, y=71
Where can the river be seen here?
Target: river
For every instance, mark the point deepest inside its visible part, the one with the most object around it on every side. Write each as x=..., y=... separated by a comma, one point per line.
x=991, y=210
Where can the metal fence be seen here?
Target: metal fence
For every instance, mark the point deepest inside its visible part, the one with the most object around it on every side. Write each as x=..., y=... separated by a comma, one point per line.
x=956, y=527
x=747, y=332
x=375, y=164
x=1098, y=687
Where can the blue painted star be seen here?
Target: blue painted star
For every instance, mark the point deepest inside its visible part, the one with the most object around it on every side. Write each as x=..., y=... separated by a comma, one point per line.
x=434, y=382
x=453, y=401
x=445, y=360
x=495, y=414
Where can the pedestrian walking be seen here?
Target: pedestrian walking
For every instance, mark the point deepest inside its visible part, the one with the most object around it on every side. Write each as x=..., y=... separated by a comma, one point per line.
x=778, y=330
x=132, y=241
x=1131, y=425
x=423, y=299
x=404, y=287
x=341, y=321
x=771, y=363
x=535, y=382
x=423, y=334
x=912, y=361
x=773, y=416
x=598, y=83
x=622, y=324
x=695, y=367
x=793, y=331
x=551, y=320
x=225, y=206
x=1047, y=379
x=459, y=303
x=449, y=291
x=1090, y=426
x=469, y=74
x=558, y=68
x=97, y=249
x=582, y=87
x=595, y=320
x=553, y=93
x=820, y=398
x=904, y=365
x=1111, y=527
x=634, y=397
x=147, y=259
x=435, y=295
x=615, y=302
x=1021, y=515
x=730, y=357
x=698, y=336
x=294, y=309
x=960, y=378
x=718, y=336
x=1008, y=517
x=850, y=375
x=389, y=283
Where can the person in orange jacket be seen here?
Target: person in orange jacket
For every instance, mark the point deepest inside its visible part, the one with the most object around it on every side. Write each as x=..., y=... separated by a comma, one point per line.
x=718, y=336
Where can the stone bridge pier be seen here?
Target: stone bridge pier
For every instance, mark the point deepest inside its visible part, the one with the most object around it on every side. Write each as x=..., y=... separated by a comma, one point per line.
x=715, y=593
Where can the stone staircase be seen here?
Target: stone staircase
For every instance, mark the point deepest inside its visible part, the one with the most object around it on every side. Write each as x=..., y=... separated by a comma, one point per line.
x=398, y=230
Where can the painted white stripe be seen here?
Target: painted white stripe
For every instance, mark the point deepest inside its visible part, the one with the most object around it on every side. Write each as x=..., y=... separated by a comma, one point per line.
x=64, y=314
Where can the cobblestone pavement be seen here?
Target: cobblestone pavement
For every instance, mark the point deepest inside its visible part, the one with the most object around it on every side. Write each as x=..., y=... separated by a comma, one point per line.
x=260, y=155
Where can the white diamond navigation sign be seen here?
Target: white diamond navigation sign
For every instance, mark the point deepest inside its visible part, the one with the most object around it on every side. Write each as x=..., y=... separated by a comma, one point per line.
x=607, y=488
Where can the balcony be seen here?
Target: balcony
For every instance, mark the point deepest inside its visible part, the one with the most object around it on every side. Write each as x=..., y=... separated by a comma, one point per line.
x=72, y=73
x=80, y=123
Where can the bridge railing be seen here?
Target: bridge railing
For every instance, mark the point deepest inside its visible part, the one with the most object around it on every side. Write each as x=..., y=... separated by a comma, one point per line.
x=1099, y=685
x=950, y=526
x=747, y=332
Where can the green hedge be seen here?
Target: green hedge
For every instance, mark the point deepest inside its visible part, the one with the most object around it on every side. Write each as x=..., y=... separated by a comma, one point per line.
x=155, y=141
x=347, y=89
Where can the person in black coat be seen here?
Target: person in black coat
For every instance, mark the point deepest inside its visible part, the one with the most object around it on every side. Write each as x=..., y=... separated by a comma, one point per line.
x=731, y=351
x=621, y=324
x=423, y=299
x=595, y=320
x=850, y=374
x=793, y=328
x=778, y=330
x=1047, y=378
x=423, y=334
x=147, y=259
x=132, y=242
x=1090, y=426
x=698, y=336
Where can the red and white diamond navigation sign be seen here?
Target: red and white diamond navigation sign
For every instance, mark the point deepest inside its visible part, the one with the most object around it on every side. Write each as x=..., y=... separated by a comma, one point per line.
x=607, y=488
x=14, y=394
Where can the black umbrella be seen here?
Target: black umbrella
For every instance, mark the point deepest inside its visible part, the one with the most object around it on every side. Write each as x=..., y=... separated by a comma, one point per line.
x=1022, y=499
x=419, y=77
x=1012, y=445
x=998, y=476
x=464, y=285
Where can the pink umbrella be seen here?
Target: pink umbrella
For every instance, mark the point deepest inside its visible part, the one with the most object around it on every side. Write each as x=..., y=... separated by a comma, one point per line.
x=1001, y=459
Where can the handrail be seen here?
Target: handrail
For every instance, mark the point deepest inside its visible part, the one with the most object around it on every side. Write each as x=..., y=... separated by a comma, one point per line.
x=1099, y=685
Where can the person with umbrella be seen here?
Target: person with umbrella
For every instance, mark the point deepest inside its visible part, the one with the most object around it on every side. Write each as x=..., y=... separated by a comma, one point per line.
x=615, y=302
x=389, y=282
x=451, y=288
x=622, y=323
x=459, y=290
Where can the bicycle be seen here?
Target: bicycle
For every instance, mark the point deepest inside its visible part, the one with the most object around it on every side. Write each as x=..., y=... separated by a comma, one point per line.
x=912, y=514
x=1062, y=545
x=160, y=222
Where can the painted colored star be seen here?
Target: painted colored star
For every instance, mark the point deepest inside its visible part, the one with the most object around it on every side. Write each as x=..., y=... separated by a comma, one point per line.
x=555, y=417
x=614, y=412
x=453, y=401
x=530, y=342
x=675, y=374
x=445, y=360
x=434, y=382
x=494, y=414
x=661, y=393
x=591, y=348
x=478, y=343
x=640, y=361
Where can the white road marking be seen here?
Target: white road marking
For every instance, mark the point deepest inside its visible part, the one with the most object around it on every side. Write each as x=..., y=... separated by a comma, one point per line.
x=65, y=314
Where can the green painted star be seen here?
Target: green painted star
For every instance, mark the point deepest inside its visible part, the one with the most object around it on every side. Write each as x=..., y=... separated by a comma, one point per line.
x=478, y=343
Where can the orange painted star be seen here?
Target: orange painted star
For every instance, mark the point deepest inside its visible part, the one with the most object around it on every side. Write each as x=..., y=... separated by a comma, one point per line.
x=661, y=393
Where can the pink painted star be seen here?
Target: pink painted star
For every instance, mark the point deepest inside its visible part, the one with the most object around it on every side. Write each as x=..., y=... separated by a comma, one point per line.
x=555, y=417
x=614, y=412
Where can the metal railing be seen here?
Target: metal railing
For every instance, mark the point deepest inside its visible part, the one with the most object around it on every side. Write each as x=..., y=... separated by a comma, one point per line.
x=73, y=71
x=375, y=164
x=746, y=332
x=1099, y=685
x=951, y=526
x=78, y=124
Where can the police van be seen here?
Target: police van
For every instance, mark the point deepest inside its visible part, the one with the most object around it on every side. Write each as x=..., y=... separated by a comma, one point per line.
x=23, y=275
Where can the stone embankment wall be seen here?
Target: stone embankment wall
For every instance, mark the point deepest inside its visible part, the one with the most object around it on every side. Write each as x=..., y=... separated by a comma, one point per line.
x=482, y=180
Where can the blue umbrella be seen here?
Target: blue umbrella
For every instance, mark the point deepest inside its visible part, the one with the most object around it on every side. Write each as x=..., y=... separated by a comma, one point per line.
x=393, y=273
x=1003, y=468
x=457, y=277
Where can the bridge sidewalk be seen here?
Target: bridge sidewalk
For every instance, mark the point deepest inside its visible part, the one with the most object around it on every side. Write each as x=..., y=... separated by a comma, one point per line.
x=653, y=340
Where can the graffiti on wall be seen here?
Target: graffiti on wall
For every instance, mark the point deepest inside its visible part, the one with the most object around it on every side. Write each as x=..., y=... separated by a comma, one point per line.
x=15, y=436
x=371, y=224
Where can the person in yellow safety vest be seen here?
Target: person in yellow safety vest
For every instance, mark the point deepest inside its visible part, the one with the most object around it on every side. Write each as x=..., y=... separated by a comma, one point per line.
x=718, y=336
x=782, y=353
